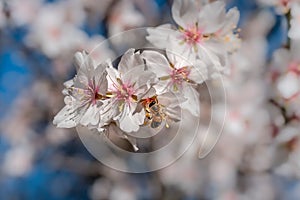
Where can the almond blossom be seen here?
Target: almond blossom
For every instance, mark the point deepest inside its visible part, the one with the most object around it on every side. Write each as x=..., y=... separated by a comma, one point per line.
x=285, y=74
x=176, y=75
x=206, y=32
x=55, y=29
x=84, y=94
x=126, y=86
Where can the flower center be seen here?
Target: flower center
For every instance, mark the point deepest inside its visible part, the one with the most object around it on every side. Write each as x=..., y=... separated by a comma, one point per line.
x=93, y=92
x=180, y=75
x=192, y=35
x=125, y=91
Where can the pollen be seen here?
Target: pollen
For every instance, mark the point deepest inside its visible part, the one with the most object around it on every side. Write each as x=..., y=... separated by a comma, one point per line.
x=180, y=75
x=193, y=35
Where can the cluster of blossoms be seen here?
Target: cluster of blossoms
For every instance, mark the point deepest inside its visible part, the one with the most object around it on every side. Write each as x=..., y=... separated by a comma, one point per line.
x=149, y=87
x=284, y=94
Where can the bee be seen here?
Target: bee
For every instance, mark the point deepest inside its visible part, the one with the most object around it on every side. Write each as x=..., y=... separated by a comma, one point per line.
x=154, y=112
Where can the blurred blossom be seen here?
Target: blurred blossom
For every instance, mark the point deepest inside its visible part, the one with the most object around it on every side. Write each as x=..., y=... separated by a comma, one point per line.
x=284, y=76
x=124, y=16
x=55, y=29
x=18, y=161
x=98, y=49
x=24, y=14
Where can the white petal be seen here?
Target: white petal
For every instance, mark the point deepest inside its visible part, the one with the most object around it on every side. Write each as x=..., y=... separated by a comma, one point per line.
x=184, y=12
x=130, y=60
x=212, y=17
x=85, y=67
x=192, y=103
x=170, y=99
x=232, y=18
x=109, y=110
x=128, y=122
x=112, y=75
x=91, y=116
x=156, y=63
x=178, y=60
x=158, y=36
x=141, y=79
x=67, y=117
x=289, y=85
x=198, y=72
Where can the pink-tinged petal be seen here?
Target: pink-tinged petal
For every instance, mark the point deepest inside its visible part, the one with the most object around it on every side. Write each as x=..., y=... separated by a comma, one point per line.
x=130, y=60
x=177, y=46
x=156, y=62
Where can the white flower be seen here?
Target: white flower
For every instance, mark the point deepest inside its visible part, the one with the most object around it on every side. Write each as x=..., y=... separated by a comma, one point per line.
x=84, y=94
x=24, y=14
x=124, y=16
x=55, y=32
x=98, y=49
x=285, y=73
x=289, y=85
x=126, y=86
x=203, y=32
x=176, y=75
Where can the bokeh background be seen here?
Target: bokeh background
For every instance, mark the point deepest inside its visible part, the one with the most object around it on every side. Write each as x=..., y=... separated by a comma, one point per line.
x=38, y=39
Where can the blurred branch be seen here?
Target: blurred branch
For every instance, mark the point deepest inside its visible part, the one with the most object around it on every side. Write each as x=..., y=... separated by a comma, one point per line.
x=287, y=119
x=288, y=19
